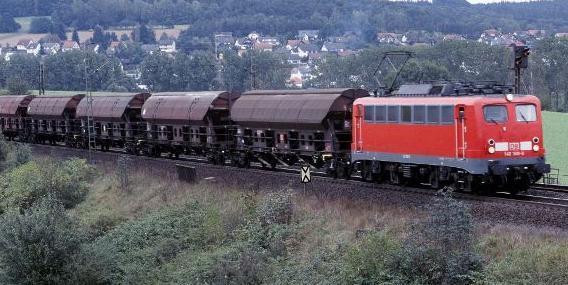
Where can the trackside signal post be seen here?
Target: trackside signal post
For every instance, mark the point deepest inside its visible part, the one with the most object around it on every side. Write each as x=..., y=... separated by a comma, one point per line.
x=520, y=61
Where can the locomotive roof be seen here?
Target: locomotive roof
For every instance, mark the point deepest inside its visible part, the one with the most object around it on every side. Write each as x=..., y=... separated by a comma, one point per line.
x=9, y=104
x=292, y=107
x=182, y=107
x=53, y=106
x=447, y=100
x=111, y=106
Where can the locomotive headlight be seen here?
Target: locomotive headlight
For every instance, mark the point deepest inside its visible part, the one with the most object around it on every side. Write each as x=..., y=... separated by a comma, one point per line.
x=491, y=142
x=536, y=140
x=509, y=97
x=536, y=147
x=491, y=149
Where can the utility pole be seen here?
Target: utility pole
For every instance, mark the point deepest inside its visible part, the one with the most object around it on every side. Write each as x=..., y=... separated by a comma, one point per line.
x=41, y=90
x=91, y=135
x=90, y=123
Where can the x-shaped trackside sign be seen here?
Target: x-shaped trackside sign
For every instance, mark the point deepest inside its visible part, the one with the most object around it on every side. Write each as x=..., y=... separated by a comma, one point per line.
x=305, y=176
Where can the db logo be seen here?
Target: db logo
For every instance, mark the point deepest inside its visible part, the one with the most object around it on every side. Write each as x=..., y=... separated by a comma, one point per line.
x=514, y=146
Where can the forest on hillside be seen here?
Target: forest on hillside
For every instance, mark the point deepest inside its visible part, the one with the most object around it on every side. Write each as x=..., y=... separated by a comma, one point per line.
x=283, y=17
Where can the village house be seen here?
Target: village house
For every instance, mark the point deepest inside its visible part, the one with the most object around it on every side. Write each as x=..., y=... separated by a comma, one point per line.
x=260, y=46
x=23, y=44
x=561, y=35
x=308, y=35
x=391, y=38
x=51, y=48
x=34, y=48
x=167, y=45
x=150, y=48
x=274, y=41
x=70, y=45
x=333, y=47
x=223, y=41
x=88, y=46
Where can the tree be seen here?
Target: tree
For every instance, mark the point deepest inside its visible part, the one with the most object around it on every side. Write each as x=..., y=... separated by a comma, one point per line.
x=124, y=38
x=440, y=250
x=157, y=72
x=40, y=25
x=24, y=68
x=75, y=36
x=17, y=86
x=36, y=246
x=58, y=28
x=255, y=70
x=8, y=24
x=144, y=34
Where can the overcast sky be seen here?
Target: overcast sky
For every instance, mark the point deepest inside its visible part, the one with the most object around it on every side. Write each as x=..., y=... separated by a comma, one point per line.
x=493, y=1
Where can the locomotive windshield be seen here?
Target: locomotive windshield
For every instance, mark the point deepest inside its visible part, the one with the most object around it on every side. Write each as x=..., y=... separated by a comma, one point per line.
x=495, y=113
x=526, y=113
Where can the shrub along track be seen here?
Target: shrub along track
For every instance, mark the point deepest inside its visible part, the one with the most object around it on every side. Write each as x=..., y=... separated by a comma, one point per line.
x=500, y=209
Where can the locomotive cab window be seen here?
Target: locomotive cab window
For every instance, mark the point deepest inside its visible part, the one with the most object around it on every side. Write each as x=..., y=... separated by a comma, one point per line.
x=495, y=113
x=419, y=114
x=393, y=114
x=525, y=113
x=433, y=114
x=369, y=113
x=380, y=113
x=406, y=114
x=447, y=114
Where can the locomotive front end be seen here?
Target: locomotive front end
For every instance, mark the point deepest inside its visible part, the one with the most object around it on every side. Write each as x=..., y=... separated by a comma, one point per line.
x=511, y=141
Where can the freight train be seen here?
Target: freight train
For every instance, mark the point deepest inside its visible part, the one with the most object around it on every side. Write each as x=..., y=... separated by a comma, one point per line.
x=474, y=138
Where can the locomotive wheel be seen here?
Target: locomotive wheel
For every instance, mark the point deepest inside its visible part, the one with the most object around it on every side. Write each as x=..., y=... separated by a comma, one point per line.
x=366, y=173
x=394, y=177
x=435, y=178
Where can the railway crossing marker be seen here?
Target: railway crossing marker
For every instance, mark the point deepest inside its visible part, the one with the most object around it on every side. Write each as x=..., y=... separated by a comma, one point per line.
x=305, y=176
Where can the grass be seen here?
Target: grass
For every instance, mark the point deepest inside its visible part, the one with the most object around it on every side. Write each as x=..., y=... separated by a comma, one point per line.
x=556, y=141
x=513, y=254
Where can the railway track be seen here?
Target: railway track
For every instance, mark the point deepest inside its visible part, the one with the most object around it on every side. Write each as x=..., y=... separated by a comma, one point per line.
x=356, y=183
x=551, y=188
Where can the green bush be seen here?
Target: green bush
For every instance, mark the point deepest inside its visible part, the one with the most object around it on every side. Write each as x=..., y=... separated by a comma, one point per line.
x=541, y=265
x=36, y=246
x=371, y=260
x=25, y=184
x=248, y=255
x=134, y=252
x=323, y=266
x=13, y=154
x=440, y=250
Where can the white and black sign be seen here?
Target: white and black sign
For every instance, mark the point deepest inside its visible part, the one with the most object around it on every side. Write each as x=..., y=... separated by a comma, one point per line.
x=306, y=176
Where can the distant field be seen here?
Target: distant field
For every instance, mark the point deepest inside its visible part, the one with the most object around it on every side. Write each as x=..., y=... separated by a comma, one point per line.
x=556, y=141
x=174, y=32
x=13, y=38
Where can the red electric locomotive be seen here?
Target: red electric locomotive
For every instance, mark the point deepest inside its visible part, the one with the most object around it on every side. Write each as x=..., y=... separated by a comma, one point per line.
x=431, y=135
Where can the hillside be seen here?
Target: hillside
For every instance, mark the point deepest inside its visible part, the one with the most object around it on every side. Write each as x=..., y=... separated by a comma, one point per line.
x=282, y=17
